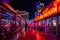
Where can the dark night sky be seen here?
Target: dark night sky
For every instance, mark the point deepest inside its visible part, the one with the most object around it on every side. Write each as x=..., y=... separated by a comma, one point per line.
x=28, y=5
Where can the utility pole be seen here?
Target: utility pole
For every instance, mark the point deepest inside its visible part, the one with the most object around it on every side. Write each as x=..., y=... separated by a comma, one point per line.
x=25, y=26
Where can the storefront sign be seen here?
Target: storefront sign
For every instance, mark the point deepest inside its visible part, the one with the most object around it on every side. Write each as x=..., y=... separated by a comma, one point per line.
x=50, y=11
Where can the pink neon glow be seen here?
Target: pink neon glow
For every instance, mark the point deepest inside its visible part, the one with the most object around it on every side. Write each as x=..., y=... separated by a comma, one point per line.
x=36, y=24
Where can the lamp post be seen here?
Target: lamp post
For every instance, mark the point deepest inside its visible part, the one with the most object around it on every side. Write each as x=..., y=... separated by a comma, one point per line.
x=57, y=26
x=25, y=26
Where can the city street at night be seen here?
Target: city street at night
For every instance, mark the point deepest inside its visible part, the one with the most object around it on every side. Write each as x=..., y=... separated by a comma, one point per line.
x=36, y=35
x=29, y=19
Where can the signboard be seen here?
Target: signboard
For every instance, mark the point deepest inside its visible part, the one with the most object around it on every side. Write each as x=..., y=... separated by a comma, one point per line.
x=51, y=10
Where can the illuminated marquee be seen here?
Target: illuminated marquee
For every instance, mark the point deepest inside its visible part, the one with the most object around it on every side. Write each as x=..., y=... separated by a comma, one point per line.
x=50, y=10
x=48, y=13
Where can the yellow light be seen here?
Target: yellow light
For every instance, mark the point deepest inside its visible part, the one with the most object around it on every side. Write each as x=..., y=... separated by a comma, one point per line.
x=45, y=11
x=54, y=10
x=39, y=10
x=49, y=12
x=45, y=14
x=41, y=17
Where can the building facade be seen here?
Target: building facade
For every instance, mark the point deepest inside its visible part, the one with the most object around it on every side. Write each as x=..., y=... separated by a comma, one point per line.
x=25, y=15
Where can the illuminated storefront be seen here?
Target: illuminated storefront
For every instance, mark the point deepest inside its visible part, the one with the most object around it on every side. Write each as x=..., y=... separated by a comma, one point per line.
x=51, y=14
x=10, y=24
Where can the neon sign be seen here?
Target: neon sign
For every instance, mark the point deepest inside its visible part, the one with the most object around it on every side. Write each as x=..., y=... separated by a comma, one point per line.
x=50, y=10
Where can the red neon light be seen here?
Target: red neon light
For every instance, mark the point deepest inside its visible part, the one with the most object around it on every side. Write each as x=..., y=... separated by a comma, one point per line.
x=38, y=36
x=8, y=6
x=38, y=17
x=59, y=7
x=49, y=12
x=8, y=25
